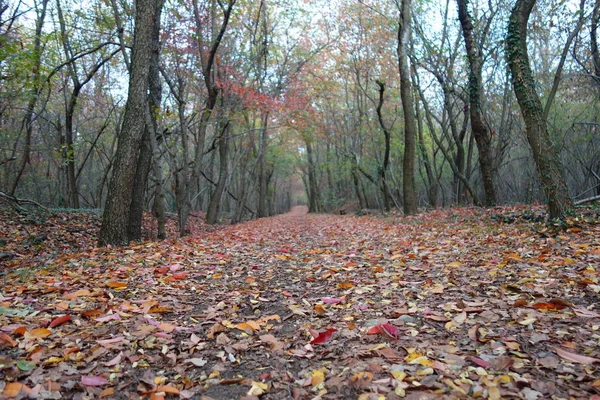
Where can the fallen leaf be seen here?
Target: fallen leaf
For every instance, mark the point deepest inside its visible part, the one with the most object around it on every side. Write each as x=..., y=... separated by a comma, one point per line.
x=324, y=336
x=60, y=320
x=93, y=380
x=576, y=358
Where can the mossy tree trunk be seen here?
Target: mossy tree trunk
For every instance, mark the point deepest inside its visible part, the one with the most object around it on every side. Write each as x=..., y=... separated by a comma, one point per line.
x=544, y=152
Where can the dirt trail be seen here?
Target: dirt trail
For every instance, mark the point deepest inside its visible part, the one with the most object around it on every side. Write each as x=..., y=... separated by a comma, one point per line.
x=324, y=306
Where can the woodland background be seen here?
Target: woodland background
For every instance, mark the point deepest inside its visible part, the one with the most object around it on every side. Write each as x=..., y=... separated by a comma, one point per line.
x=259, y=105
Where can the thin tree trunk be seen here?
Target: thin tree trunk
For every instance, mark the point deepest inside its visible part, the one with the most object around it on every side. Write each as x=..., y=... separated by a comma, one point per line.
x=386, y=155
x=544, y=152
x=33, y=96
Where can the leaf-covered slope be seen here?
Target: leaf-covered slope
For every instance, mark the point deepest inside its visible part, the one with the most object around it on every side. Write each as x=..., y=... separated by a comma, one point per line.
x=449, y=304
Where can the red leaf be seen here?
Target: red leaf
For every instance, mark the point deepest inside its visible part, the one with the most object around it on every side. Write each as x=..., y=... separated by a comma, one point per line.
x=323, y=336
x=60, y=320
x=384, y=329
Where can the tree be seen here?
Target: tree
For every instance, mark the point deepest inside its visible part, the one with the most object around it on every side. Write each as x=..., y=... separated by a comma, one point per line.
x=410, y=125
x=36, y=88
x=120, y=191
x=544, y=152
x=479, y=127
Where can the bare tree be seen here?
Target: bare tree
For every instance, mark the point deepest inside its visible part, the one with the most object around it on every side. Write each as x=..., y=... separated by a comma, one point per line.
x=544, y=152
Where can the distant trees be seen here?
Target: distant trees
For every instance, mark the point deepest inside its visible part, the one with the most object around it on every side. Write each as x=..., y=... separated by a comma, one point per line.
x=239, y=109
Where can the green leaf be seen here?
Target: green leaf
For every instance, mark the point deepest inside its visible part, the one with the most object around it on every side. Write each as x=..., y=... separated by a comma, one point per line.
x=25, y=365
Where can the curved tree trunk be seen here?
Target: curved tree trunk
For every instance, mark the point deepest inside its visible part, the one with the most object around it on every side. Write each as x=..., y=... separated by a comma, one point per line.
x=479, y=128
x=120, y=191
x=544, y=153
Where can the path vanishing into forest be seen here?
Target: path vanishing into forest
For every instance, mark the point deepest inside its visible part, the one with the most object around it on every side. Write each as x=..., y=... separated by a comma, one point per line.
x=455, y=303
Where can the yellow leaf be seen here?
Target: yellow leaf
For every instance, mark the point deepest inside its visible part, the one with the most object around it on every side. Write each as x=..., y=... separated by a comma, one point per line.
x=317, y=378
x=258, y=388
x=454, y=264
x=399, y=375
x=528, y=321
x=54, y=360
x=494, y=393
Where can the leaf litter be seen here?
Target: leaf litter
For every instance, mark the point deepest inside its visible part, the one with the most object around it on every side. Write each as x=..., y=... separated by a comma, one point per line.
x=448, y=304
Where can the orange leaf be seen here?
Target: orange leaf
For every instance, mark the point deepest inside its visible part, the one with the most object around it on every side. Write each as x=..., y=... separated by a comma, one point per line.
x=158, y=310
x=167, y=389
x=76, y=294
x=20, y=331
x=346, y=285
x=4, y=337
x=547, y=306
x=320, y=310
x=39, y=333
x=92, y=313
x=107, y=392
x=116, y=285
x=520, y=303
x=12, y=389
x=59, y=320
x=248, y=326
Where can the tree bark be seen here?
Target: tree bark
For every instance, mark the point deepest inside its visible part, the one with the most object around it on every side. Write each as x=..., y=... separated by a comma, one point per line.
x=33, y=96
x=544, y=152
x=410, y=126
x=386, y=155
x=148, y=157
x=479, y=128
x=114, y=229
x=212, y=213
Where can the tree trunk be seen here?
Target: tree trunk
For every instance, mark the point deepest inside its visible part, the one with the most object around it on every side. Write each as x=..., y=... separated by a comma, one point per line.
x=479, y=128
x=410, y=126
x=120, y=191
x=262, y=169
x=544, y=153
x=33, y=96
x=312, y=189
x=386, y=155
x=212, y=214
x=148, y=157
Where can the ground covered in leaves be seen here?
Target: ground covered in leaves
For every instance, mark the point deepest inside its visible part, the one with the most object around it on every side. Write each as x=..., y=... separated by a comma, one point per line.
x=457, y=303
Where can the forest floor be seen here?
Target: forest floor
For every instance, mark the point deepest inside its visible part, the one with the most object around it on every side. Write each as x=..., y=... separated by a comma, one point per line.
x=449, y=304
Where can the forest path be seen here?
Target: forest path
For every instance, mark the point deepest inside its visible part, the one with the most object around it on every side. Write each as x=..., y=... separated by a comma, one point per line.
x=304, y=305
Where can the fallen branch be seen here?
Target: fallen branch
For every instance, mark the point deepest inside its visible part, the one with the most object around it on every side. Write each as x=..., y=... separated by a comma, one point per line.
x=17, y=203
x=588, y=200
